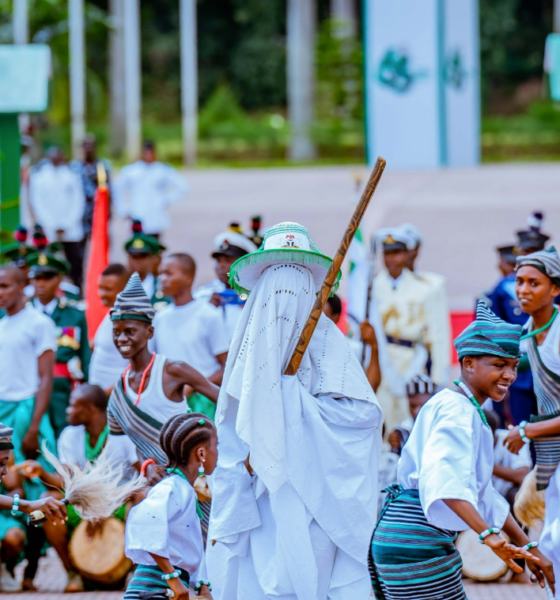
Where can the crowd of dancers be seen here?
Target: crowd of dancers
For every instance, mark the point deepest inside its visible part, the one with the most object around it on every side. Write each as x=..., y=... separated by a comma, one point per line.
x=356, y=474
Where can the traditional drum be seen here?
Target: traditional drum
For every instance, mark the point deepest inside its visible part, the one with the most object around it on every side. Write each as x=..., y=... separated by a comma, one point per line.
x=101, y=558
x=479, y=562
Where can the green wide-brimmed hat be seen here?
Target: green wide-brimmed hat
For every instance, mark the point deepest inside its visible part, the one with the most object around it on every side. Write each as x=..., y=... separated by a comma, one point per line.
x=284, y=243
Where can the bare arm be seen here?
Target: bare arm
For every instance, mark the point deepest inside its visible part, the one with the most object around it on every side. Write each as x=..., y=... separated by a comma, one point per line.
x=217, y=377
x=512, y=475
x=507, y=552
x=179, y=589
x=30, y=443
x=373, y=371
x=513, y=439
x=183, y=374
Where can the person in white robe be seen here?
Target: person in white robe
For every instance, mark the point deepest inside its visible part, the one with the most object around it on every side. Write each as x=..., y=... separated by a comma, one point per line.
x=295, y=489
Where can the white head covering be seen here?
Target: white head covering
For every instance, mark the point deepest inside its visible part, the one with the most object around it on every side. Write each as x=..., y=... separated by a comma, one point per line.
x=274, y=416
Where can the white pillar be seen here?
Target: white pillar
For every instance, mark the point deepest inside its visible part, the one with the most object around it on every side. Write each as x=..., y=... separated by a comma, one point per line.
x=77, y=73
x=117, y=107
x=301, y=76
x=20, y=20
x=189, y=79
x=132, y=78
x=345, y=11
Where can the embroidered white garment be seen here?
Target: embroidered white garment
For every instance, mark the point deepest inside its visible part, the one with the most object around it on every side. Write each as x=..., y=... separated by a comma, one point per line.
x=165, y=523
x=450, y=455
x=314, y=443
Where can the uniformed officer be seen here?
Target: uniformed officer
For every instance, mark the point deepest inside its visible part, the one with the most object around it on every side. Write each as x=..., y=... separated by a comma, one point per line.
x=503, y=302
x=228, y=247
x=532, y=239
x=417, y=331
x=144, y=256
x=46, y=270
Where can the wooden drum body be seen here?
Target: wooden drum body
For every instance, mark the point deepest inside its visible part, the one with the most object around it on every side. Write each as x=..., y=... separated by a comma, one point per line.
x=479, y=562
x=102, y=558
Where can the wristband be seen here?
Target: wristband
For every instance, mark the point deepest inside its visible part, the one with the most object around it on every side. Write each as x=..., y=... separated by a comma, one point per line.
x=200, y=584
x=488, y=532
x=15, y=505
x=530, y=545
x=145, y=464
x=168, y=576
x=525, y=439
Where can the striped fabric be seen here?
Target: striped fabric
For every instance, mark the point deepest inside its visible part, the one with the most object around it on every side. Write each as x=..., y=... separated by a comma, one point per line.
x=147, y=583
x=547, y=389
x=546, y=261
x=411, y=559
x=132, y=302
x=5, y=432
x=124, y=418
x=488, y=334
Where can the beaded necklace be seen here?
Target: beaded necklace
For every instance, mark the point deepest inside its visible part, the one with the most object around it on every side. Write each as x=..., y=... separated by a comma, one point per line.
x=141, y=388
x=93, y=452
x=181, y=474
x=543, y=328
x=471, y=397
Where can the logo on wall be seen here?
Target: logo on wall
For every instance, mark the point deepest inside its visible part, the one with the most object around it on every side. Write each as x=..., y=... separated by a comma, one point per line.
x=394, y=71
x=454, y=74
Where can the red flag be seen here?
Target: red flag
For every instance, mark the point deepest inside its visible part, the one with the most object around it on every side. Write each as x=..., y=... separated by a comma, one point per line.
x=98, y=253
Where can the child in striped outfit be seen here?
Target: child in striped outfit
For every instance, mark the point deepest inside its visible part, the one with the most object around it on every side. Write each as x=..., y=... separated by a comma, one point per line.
x=163, y=532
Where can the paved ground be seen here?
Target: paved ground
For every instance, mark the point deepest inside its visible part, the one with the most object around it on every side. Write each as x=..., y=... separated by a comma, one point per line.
x=51, y=579
x=463, y=213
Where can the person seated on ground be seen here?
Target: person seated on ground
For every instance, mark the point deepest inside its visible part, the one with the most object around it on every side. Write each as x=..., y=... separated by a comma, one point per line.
x=12, y=508
x=509, y=469
x=419, y=390
x=79, y=443
x=333, y=310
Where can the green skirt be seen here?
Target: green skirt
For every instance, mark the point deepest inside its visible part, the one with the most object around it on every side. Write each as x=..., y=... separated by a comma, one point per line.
x=18, y=415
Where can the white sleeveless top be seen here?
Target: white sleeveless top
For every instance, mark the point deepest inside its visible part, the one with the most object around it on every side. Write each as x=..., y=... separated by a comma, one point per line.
x=549, y=350
x=153, y=400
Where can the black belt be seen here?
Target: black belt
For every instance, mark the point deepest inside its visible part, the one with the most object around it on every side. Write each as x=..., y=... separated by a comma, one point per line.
x=399, y=342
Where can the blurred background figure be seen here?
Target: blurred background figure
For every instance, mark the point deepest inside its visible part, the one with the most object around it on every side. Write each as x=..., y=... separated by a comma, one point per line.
x=58, y=203
x=87, y=168
x=144, y=190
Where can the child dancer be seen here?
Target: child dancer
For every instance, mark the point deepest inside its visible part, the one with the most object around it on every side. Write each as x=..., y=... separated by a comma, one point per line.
x=445, y=477
x=163, y=532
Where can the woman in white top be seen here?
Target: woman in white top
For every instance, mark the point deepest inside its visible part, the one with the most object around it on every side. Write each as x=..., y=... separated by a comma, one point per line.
x=163, y=532
x=445, y=479
x=537, y=285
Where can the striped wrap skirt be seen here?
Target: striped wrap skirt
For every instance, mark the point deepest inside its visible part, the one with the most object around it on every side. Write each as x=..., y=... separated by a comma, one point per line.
x=410, y=559
x=146, y=584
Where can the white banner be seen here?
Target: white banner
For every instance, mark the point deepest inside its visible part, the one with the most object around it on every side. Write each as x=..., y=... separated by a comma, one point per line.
x=421, y=78
x=461, y=77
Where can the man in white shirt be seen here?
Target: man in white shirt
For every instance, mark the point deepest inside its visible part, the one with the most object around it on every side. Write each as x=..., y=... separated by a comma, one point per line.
x=107, y=364
x=58, y=202
x=190, y=330
x=144, y=190
x=27, y=353
x=228, y=247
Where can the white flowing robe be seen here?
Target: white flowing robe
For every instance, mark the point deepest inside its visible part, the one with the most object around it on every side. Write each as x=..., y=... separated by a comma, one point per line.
x=300, y=527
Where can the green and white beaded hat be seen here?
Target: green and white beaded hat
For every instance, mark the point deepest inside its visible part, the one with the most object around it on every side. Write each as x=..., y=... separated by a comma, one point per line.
x=284, y=243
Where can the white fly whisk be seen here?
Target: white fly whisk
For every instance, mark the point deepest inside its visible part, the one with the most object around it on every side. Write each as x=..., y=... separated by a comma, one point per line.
x=97, y=490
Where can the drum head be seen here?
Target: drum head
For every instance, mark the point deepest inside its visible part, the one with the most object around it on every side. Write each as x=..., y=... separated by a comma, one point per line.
x=101, y=558
x=479, y=562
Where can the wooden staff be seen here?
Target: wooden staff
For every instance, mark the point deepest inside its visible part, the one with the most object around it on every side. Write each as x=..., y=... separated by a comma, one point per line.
x=332, y=273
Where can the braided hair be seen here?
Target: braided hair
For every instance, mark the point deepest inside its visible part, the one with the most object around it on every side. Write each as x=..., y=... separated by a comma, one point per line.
x=182, y=433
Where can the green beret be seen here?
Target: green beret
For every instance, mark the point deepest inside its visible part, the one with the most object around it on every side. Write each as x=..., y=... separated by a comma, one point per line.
x=142, y=243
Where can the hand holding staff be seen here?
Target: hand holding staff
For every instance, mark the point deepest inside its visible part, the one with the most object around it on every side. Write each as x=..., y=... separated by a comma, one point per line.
x=325, y=291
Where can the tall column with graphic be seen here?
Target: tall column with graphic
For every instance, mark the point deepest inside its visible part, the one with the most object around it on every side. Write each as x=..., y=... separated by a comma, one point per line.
x=422, y=82
x=24, y=76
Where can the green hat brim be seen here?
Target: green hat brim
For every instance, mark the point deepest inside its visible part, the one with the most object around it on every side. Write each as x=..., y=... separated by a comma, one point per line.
x=53, y=264
x=247, y=270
